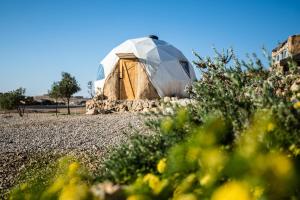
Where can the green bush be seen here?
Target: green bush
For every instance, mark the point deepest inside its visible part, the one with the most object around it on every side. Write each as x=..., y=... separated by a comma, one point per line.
x=141, y=153
x=229, y=87
x=203, y=167
x=64, y=180
x=12, y=100
x=236, y=89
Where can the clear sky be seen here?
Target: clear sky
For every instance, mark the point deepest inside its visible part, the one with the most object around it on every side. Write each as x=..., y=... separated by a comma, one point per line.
x=39, y=39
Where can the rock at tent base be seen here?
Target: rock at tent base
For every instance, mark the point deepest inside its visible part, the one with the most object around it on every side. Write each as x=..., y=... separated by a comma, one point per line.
x=167, y=99
x=91, y=112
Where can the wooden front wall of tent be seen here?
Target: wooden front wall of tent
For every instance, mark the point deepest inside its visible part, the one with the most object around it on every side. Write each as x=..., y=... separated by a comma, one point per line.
x=129, y=81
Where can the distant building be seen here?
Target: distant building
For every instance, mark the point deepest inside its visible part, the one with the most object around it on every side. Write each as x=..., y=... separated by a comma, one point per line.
x=286, y=51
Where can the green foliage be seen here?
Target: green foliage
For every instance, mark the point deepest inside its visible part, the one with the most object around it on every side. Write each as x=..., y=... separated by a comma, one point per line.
x=62, y=180
x=11, y=100
x=68, y=85
x=65, y=88
x=236, y=89
x=202, y=167
x=141, y=153
x=54, y=91
x=232, y=87
x=229, y=87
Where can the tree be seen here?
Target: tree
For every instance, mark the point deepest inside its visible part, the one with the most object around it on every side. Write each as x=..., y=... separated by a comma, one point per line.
x=54, y=93
x=13, y=100
x=67, y=87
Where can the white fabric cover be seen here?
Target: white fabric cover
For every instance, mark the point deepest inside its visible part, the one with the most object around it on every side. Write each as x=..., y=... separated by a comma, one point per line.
x=161, y=61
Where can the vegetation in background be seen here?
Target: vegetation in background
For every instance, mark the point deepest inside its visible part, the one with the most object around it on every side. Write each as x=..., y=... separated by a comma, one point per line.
x=55, y=94
x=13, y=100
x=65, y=88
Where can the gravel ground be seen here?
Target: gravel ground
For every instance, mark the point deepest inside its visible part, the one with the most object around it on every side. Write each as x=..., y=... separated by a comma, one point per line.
x=25, y=140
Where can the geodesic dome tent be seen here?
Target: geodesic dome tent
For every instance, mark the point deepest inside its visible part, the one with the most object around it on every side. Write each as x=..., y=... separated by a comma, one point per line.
x=144, y=68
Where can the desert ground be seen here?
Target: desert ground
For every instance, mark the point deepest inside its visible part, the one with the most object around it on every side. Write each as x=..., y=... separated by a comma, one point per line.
x=39, y=138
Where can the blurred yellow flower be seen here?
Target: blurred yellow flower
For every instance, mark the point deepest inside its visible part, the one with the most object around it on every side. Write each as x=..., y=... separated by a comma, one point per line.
x=280, y=164
x=166, y=125
x=151, y=180
x=297, y=105
x=161, y=166
x=258, y=192
x=74, y=192
x=232, y=191
x=137, y=197
x=213, y=158
x=186, y=197
x=294, y=149
x=160, y=186
x=192, y=154
x=205, y=179
x=185, y=185
x=181, y=117
x=73, y=168
x=56, y=186
x=24, y=186
x=270, y=127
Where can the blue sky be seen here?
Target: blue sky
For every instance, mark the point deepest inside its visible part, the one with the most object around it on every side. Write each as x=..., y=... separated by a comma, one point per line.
x=39, y=39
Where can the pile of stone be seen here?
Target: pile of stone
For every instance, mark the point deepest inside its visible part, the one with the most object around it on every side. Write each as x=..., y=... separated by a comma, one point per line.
x=95, y=106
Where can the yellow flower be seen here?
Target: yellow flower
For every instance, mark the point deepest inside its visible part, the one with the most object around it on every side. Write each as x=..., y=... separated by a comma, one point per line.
x=270, y=127
x=166, y=125
x=161, y=166
x=73, y=168
x=294, y=149
x=74, y=192
x=56, y=186
x=137, y=197
x=160, y=186
x=193, y=154
x=185, y=185
x=151, y=180
x=24, y=186
x=232, y=191
x=186, y=197
x=205, y=179
x=280, y=165
x=258, y=192
x=297, y=105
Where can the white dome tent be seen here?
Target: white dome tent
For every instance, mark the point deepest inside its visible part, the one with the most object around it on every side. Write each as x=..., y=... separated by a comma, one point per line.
x=144, y=68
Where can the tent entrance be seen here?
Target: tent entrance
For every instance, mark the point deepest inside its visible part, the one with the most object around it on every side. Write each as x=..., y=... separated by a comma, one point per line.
x=128, y=78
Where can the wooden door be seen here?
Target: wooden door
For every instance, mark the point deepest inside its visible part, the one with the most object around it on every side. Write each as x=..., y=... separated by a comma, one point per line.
x=128, y=73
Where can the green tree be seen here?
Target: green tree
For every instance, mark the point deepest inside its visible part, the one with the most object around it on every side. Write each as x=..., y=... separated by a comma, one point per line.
x=67, y=87
x=55, y=93
x=13, y=100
